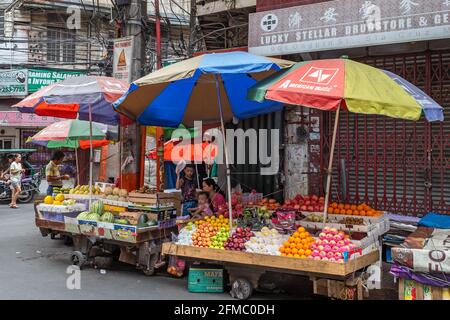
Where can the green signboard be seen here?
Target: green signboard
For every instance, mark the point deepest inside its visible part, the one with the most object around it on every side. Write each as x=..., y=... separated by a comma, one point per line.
x=38, y=78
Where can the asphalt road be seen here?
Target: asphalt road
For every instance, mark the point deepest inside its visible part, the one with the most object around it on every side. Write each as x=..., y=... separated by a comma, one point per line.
x=34, y=267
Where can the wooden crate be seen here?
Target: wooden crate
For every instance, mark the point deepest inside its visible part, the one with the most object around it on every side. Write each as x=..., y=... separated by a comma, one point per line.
x=342, y=290
x=412, y=290
x=151, y=198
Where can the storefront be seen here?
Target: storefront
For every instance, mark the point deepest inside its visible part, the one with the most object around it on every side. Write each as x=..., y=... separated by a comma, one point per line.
x=394, y=165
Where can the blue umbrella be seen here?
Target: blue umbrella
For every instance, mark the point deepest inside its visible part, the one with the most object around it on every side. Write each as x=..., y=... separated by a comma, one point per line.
x=208, y=88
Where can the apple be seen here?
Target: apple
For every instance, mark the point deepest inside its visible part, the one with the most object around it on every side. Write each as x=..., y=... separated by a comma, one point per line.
x=315, y=198
x=324, y=259
x=341, y=243
x=335, y=248
x=337, y=255
x=332, y=242
x=327, y=248
x=330, y=255
x=310, y=208
x=322, y=254
x=332, y=259
x=320, y=248
x=317, y=258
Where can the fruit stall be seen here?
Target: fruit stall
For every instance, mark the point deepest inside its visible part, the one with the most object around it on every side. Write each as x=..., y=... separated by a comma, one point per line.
x=129, y=227
x=288, y=238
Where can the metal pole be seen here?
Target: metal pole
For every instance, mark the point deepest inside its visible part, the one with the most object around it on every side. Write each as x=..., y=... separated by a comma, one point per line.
x=76, y=165
x=330, y=166
x=230, y=209
x=91, y=156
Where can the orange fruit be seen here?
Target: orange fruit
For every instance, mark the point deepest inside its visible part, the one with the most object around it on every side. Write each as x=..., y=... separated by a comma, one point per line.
x=340, y=206
x=353, y=207
x=294, y=251
x=349, y=212
x=296, y=256
x=362, y=213
x=342, y=211
x=296, y=234
x=360, y=207
x=303, y=257
x=286, y=244
x=330, y=210
x=281, y=249
x=301, y=229
x=284, y=254
x=334, y=205
x=303, y=235
x=292, y=245
x=290, y=255
x=307, y=252
x=356, y=213
x=301, y=252
x=287, y=250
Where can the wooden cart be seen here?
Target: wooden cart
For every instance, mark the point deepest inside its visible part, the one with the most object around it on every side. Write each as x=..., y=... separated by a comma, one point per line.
x=142, y=249
x=245, y=269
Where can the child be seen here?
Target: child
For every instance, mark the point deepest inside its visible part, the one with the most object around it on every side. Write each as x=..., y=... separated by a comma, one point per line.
x=204, y=207
x=188, y=187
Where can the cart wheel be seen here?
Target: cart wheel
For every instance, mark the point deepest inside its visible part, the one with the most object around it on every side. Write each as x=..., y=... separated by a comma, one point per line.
x=52, y=236
x=241, y=289
x=78, y=259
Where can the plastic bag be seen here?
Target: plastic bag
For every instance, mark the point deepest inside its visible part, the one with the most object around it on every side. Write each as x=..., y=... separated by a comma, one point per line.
x=176, y=267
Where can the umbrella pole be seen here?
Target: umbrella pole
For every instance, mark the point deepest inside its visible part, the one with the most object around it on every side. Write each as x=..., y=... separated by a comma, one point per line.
x=230, y=209
x=91, y=156
x=330, y=166
x=76, y=165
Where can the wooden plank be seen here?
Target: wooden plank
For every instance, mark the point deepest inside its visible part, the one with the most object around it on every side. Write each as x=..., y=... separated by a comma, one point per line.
x=276, y=262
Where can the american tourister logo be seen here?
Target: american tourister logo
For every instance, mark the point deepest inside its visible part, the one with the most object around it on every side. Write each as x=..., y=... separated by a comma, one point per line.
x=322, y=76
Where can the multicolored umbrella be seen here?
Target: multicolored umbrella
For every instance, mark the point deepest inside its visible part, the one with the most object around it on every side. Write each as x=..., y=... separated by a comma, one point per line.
x=71, y=130
x=342, y=83
x=72, y=144
x=72, y=98
x=330, y=84
x=186, y=91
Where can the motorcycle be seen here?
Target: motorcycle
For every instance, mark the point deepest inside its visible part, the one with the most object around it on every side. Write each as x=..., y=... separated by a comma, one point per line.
x=29, y=186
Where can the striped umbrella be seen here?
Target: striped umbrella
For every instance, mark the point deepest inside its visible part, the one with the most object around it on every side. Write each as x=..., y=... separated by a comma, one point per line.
x=342, y=83
x=74, y=97
x=187, y=91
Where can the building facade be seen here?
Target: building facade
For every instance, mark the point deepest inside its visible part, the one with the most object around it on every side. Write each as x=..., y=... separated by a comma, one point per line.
x=394, y=165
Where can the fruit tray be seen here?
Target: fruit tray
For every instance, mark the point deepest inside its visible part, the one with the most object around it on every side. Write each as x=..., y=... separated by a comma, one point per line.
x=341, y=216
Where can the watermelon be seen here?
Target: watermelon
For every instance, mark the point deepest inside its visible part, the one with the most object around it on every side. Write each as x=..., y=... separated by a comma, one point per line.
x=97, y=207
x=83, y=216
x=107, y=217
x=93, y=216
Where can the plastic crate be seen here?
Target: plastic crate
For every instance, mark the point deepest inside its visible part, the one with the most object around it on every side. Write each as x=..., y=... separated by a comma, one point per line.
x=167, y=223
x=205, y=280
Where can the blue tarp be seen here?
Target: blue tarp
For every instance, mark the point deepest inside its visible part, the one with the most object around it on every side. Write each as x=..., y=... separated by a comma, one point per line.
x=435, y=220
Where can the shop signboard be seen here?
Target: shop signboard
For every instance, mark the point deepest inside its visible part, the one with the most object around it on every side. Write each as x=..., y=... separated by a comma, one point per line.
x=18, y=119
x=122, y=60
x=38, y=78
x=345, y=24
x=13, y=83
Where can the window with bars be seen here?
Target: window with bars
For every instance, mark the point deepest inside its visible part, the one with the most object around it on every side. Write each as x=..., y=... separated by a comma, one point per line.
x=60, y=45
